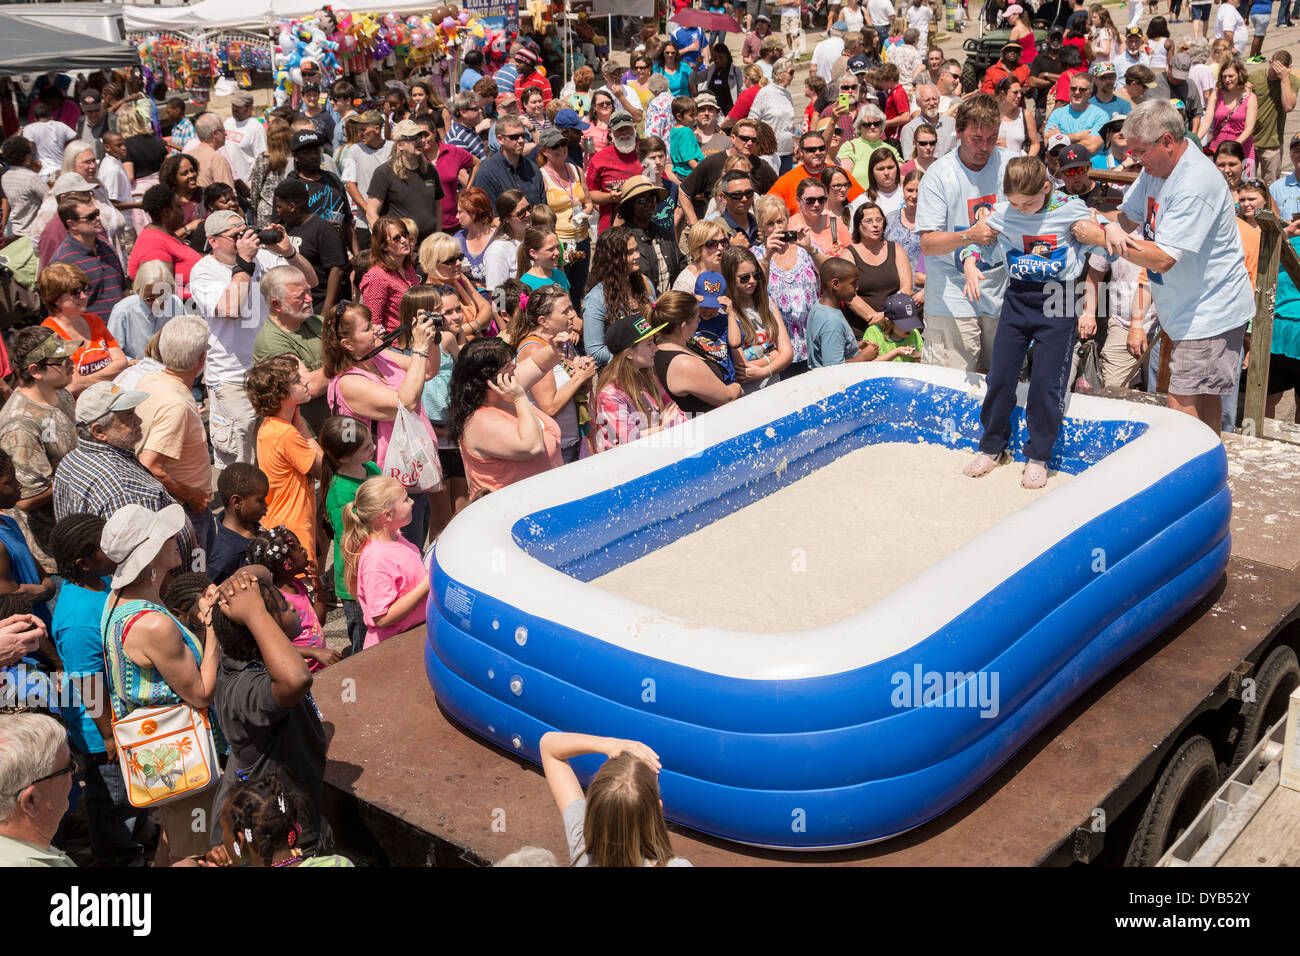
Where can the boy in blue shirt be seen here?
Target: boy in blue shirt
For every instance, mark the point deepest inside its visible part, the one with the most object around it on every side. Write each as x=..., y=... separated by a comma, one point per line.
x=1041, y=237
x=683, y=147
x=830, y=339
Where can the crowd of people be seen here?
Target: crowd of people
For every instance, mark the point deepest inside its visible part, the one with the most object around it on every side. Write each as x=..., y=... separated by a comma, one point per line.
x=250, y=328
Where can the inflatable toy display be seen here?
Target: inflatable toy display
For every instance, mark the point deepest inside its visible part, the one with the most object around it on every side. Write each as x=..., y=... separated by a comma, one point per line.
x=801, y=739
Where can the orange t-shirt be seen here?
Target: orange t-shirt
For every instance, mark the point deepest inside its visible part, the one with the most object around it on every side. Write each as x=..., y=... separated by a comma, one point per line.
x=287, y=458
x=787, y=184
x=93, y=355
x=1250, y=248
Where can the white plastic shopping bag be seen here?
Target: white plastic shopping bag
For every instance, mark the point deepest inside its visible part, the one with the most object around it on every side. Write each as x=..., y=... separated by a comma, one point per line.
x=412, y=455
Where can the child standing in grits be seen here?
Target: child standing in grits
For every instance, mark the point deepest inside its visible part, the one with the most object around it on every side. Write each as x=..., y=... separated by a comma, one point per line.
x=1043, y=236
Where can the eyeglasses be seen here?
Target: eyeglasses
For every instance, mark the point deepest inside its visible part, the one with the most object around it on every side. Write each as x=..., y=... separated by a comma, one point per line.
x=741, y=194
x=401, y=237
x=80, y=290
x=520, y=213
x=715, y=243
x=840, y=187
x=745, y=139
x=644, y=200
x=70, y=768
x=845, y=87
x=1076, y=171
x=814, y=200
x=747, y=277
x=65, y=362
x=1081, y=89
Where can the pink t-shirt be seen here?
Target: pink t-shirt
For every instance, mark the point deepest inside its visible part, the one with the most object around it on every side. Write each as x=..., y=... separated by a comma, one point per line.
x=385, y=571
x=311, y=634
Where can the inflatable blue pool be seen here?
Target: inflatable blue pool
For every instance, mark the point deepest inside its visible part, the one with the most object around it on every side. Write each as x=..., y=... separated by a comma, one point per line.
x=801, y=739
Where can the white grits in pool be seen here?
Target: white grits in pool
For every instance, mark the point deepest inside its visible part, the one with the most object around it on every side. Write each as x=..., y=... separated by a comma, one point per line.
x=829, y=545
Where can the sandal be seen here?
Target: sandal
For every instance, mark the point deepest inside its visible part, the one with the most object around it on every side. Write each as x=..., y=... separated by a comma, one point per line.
x=980, y=466
x=1035, y=475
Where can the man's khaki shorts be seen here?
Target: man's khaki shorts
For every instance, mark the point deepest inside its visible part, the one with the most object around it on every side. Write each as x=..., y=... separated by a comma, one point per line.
x=1207, y=366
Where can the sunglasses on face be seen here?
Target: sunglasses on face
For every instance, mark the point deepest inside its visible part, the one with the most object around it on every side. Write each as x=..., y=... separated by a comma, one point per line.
x=870, y=124
x=814, y=200
x=1077, y=171
x=921, y=143
x=457, y=259
x=746, y=139
x=402, y=237
x=65, y=362
x=92, y=217
x=715, y=244
x=79, y=290
x=814, y=149
x=741, y=194
x=747, y=277
x=512, y=136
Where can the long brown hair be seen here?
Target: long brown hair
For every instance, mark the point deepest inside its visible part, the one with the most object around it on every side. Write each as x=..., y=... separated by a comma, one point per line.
x=525, y=321
x=624, y=824
x=379, y=243
x=346, y=317
x=609, y=270
x=534, y=238
x=635, y=382
x=732, y=259
x=277, y=144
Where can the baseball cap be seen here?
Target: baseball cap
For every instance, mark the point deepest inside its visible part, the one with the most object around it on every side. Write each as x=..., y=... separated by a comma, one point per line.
x=104, y=397
x=900, y=308
x=306, y=139
x=241, y=98
x=72, y=183
x=762, y=18
x=407, y=129
x=133, y=535
x=1103, y=69
x=569, y=119
x=841, y=26
x=91, y=98
x=1134, y=32
x=620, y=119
x=551, y=138
x=1074, y=156
x=51, y=346
x=628, y=331
x=708, y=287
x=1057, y=141
x=219, y=221
x=706, y=100
x=858, y=64
x=372, y=118
x=1180, y=64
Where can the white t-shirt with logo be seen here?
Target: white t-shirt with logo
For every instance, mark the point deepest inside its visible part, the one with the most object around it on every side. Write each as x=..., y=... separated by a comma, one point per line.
x=1192, y=216
x=230, y=342
x=952, y=198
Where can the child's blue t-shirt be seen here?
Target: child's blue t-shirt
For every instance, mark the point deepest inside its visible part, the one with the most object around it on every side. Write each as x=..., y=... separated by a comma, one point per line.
x=710, y=340
x=830, y=339
x=228, y=555
x=557, y=278
x=1041, y=247
x=22, y=566
x=80, y=644
x=682, y=148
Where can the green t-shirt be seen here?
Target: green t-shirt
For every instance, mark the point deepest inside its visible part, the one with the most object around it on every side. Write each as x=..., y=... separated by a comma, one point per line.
x=885, y=344
x=683, y=147
x=342, y=490
x=272, y=340
x=1270, y=122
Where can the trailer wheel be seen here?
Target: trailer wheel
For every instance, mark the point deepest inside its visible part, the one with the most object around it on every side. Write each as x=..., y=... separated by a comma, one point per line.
x=1188, y=781
x=970, y=75
x=1275, y=679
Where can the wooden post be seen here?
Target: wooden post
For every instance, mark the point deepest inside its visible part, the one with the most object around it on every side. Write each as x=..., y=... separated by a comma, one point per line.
x=1271, y=239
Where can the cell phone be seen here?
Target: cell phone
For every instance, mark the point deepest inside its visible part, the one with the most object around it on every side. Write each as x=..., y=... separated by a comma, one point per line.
x=789, y=235
x=846, y=101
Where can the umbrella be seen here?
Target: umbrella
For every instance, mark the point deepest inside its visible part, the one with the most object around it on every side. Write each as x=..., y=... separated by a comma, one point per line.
x=691, y=17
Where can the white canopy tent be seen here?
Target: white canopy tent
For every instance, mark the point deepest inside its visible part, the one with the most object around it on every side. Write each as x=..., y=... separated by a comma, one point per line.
x=246, y=14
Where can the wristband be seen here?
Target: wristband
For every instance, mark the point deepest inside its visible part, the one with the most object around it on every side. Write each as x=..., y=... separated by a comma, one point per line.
x=423, y=355
x=243, y=265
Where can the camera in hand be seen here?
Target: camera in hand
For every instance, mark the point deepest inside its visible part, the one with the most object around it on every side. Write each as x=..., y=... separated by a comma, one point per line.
x=270, y=236
x=424, y=315
x=788, y=235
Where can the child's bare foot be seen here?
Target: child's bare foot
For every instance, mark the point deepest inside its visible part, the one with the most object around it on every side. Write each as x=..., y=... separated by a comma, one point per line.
x=1035, y=475
x=980, y=466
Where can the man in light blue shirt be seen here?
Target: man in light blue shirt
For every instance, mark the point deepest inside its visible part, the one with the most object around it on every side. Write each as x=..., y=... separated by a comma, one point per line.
x=1286, y=191
x=1104, y=98
x=1080, y=120
x=1192, y=252
x=1132, y=54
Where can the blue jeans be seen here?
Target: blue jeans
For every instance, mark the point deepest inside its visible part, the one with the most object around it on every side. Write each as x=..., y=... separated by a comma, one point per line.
x=1022, y=325
x=576, y=273
x=109, y=814
x=356, y=624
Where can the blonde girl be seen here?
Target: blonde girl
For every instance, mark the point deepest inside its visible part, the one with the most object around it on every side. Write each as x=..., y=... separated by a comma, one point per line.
x=382, y=568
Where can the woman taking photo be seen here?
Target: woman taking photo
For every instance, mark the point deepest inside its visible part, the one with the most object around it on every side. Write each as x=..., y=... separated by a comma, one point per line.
x=723, y=79
x=693, y=384
x=503, y=437
x=900, y=227
x=1016, y=132
x=371, y=387
x=441, y=259
x=615, y=287
x=681, y=79
x=759, y=343
x=791, y=268
x=477, y=229
x=151, y=658
x=180, y=173
x=269, y=170
x=774, y=106
x=501, y=258
x=566, y=195
x=856, y=153
x=602, y=108
x=882, y=182
x=828, y=235
x=704, y=244
x=391, y=272
x=565, y=394
x=1230, y=112
x=883, y=268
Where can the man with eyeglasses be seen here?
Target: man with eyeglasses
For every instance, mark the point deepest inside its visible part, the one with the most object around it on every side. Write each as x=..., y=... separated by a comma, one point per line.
x=36, y=777
x=699, y=185
x=943, y=127
x=737, y=209
x=510, y=168
x=85, y=248
x=37, y=427
x=293, y=327
x=811, y=160
x=851, y=84
x=1075, y=172
x=1103, y=97
x=1079, y=120
x=407, y=186
x=949, y=215
x=224, y=287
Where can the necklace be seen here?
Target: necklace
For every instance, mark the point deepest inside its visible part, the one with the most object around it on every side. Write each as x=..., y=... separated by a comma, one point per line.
x=295, y=857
